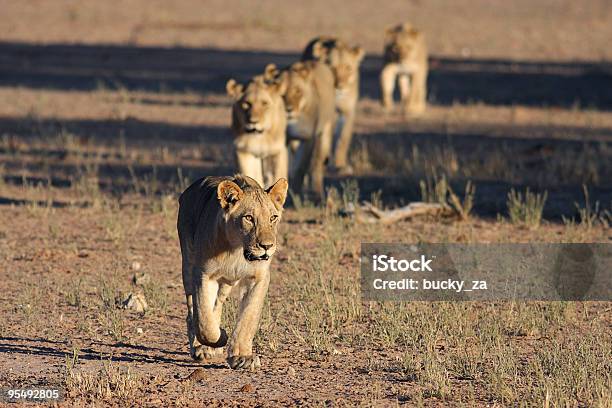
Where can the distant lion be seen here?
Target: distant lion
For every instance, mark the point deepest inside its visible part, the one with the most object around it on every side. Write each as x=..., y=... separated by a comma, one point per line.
x=227, y=228
x=311, y=114
x=259, y=124
x=344, y=62
x=405, y=59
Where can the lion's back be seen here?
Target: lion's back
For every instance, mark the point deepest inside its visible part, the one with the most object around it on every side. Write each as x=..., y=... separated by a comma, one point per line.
x=197, y=202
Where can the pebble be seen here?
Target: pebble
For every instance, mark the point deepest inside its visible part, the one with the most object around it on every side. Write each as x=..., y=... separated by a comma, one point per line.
x=136, y=302
x=247, y=388
x=197, y=375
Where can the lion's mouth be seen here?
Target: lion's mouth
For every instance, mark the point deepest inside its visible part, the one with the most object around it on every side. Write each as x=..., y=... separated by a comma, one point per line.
x=253, y=128
x=251, y=257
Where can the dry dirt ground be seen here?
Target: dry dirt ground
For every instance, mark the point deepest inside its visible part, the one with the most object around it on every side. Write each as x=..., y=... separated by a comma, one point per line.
x=108, y=109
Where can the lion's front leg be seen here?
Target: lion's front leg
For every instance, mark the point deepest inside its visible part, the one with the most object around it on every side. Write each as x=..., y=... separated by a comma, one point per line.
x=387, y=85
x=343, y=141
x=418, y=96
x=322, y=149
x=207, y=320
x=198, y=351
x=240, y=348
x=403, y=81
x=279, y=167
x=250, y=165
x=302, y=158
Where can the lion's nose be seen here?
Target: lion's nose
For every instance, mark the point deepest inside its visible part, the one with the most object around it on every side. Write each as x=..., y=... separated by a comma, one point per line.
x=266, y=245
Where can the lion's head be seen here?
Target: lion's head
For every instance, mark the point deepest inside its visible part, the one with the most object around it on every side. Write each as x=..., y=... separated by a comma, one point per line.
x=342, y=59
x=251, y=215
x=255, y=105
x=401, y=42
x=299, y=89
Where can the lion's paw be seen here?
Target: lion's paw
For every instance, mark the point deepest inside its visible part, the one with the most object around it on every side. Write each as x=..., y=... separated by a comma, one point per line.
x=197, y=353
x=251, y=362
x=201, y=353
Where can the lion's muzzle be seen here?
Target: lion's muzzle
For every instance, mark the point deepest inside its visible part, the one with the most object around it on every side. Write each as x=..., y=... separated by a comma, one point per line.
x=251, y=257
x=253, y=127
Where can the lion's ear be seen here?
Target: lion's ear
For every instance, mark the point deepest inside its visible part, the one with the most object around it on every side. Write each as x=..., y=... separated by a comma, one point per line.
x=228, y=193
x=234, y=89
x=278, y=193
x=271, y=72
x=280, y=83
x=358, y=52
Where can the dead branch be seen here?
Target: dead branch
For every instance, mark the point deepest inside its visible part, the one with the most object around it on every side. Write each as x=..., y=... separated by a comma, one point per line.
x=369, y=214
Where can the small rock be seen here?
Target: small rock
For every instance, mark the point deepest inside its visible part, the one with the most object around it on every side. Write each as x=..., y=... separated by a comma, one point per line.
x=197, y=375
x=136, y=302
x=139, y=330
x=140, y=279
x=291, y=371
x=247, y=388
x=136, y=266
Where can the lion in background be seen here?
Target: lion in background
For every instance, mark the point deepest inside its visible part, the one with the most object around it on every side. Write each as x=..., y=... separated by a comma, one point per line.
x=344, y=62
x=227, y=228
x=259, y=124
x=405, y=59
x=310, y=105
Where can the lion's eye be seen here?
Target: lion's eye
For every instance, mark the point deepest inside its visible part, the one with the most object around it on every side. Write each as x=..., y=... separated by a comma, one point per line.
x=246, y=105
x=249, y=218
x=264, y=103
x=273, y=218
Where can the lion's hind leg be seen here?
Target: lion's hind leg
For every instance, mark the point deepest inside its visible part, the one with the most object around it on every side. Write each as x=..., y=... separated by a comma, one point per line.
x=185, y=237
x=195, y=347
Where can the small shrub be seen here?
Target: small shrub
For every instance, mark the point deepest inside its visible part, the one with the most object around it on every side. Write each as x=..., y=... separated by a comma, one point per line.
x=434, y=190
x=350, y=193
x=526, y=209
x=463, y=208
x=439, y=191
x=591, y=215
